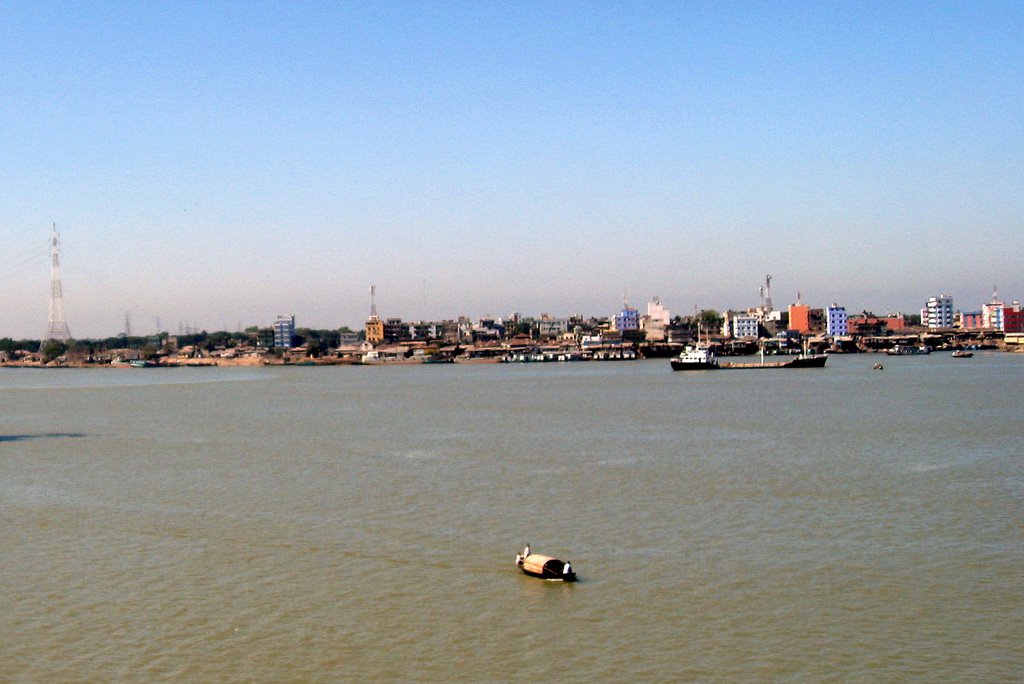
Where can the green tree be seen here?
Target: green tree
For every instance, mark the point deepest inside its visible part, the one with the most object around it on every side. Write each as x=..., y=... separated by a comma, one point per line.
x=52, y=349
x=710, y=319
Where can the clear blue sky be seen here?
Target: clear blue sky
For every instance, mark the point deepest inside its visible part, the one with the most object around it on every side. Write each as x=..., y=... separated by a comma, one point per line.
x=216, y=164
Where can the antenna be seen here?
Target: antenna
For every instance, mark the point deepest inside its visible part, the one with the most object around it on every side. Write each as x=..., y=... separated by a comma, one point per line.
x=56, y=326
x=768, y=292
x=127, y=325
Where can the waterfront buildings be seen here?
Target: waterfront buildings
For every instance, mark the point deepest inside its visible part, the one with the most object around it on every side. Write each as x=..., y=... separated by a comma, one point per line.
x=374, y=330
x=969, y=320
x=836, y=323
x=992, y=313
x=745, y=326
x=627, y=320
x=284, y=331
x=656, y=322
x=806, y=320
x=1013, y=318
x=869, y=324
x=938, y=313
x=549, y=326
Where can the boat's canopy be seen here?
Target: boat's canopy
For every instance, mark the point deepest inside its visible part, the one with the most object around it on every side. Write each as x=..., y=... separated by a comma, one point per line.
x=548, y=568
x=535, y=562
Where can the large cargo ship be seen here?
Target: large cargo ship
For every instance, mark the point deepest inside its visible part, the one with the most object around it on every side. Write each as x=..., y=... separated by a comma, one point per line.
x=702, y=357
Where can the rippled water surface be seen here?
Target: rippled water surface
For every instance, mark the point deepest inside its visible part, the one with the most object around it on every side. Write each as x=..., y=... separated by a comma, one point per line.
x=359, y=524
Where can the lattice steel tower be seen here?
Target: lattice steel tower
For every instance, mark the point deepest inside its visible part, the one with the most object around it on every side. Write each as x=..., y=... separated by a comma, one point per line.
x=56, y=326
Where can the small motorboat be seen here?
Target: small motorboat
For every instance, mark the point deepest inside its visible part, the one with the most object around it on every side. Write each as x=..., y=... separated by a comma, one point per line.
x=545, y=567
x=962, y=354
x=878, y=366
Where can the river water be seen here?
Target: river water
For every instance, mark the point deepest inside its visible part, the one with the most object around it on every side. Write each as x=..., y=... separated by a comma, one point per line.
x=360, y=523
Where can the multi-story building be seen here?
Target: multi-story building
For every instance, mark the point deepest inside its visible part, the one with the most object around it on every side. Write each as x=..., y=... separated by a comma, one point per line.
x=395, y=330
x=799, y=318
x=374, y=330
x=971, y=320
x=836, y=321
x=549, y=326
x=806, y=320
x=938, y=312
x=284, y=331
x=745, y=326
x=992, y=313
x=424, y=330
x=454, y=332
x=348, y=338
x=656, y=322
x=1013, y=318
x=870, y=324
x=774, y=322
x=627, y=320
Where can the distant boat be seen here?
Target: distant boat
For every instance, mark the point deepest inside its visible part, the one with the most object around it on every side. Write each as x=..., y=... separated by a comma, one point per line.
x=908, y=350
x=962, y=354
x=545, y=567
x=139, y=363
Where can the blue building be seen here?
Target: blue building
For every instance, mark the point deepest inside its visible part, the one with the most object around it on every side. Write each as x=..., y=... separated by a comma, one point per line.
x=837, y=323
x=627, y=320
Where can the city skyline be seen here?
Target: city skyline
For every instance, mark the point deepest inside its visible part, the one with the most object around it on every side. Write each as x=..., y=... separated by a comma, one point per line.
x=216, y=166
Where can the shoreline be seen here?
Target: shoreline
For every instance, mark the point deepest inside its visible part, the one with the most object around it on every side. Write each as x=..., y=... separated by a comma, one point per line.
x=250, y=362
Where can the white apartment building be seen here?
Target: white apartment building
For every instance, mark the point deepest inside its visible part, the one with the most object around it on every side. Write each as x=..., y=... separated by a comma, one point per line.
x=938, y=312
x=656, y=320
x=284, y=331
x=745, y=326
x=552, y=327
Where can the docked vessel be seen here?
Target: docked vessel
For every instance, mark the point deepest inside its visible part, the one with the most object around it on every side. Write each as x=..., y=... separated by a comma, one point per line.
x=696, y=357
x=962, y=354
x=908, y=350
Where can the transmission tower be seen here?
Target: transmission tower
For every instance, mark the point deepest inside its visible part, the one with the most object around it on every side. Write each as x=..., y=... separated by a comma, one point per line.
x=56, y=326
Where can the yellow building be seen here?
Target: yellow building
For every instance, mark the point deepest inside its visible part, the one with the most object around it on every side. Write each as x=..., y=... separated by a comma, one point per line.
x=374, y=330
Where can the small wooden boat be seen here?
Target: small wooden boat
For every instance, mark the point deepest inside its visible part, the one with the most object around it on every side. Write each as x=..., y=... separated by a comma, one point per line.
x=962, y=354
x=546, y=567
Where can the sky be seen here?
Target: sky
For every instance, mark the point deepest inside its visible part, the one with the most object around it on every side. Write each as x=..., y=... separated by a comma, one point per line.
x=212, y=165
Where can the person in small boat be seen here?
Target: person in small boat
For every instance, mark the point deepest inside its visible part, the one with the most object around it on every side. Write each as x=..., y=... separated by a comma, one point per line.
x=567, y=568
x=519, y=559
x=526, y=551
